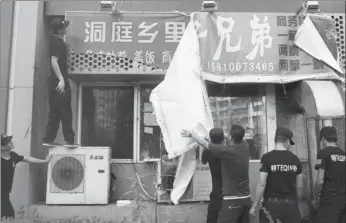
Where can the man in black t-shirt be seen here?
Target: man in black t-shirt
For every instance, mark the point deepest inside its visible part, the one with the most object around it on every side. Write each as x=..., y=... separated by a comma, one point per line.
x=280, y=182
x=9, y=160
x=330, y=182
x=235, y=156
x=216, y=136
x=59, y=88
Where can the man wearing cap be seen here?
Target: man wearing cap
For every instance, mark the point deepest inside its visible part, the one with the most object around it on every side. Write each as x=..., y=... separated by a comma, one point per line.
x=59, y=88
x=216, y=136
x=280, y=183
x=330, y=182
x=9, y=160
x=234, y=154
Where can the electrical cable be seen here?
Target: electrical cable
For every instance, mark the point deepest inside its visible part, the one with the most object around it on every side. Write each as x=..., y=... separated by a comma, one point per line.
x=141, y=184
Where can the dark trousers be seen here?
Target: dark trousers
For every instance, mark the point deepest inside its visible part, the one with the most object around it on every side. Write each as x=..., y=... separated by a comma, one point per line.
x=279, y=210
x=332, y=210
x=235, y=211
x=214, y=207
x=6, y=207
x=59, y=110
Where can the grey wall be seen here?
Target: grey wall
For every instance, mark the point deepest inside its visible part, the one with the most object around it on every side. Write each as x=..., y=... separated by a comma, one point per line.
x=40, y=107
x=59, y=7
x=6, y=24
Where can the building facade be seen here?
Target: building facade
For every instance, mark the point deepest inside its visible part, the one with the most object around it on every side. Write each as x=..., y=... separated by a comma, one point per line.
x=111, y=107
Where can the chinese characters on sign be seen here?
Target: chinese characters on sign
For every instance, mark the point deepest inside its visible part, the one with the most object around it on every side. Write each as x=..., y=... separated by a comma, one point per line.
x=230, y=43
x=141, y=56
x=289, y=21
x=260, y=40
x=225, y=34
x=292, y=52
x=121, y=32
x=149, y=38
x=260, y=37
x=230, y=40
x=235, y=43
x=95, y=32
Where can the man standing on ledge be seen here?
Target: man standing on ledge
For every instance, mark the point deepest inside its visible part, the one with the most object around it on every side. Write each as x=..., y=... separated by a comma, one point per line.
x=235, y=156
x=59, y=88
x=281, y=182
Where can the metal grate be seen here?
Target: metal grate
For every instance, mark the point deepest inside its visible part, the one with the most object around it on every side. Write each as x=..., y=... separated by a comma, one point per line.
x=67, y=174
x=339, y=20
x=79, y=63
x=89, y=63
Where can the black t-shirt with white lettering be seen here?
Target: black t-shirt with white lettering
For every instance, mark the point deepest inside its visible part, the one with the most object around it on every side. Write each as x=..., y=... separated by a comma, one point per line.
x=7, y=171
x=282, y=167
x=333, y=162
x=58, y=48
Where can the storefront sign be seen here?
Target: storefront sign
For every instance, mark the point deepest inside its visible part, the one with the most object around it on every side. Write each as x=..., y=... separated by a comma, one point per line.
x=147, y=38
x=248, y=43
x=230, y=43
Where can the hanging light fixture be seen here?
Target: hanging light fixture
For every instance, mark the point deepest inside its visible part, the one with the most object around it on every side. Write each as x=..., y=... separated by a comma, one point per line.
x=309, y=7
x=209, y=6
x=108, y=6
x=312, y=6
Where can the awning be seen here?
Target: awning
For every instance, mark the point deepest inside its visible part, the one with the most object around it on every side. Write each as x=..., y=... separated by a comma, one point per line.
x=269, y=78
x=321, y=99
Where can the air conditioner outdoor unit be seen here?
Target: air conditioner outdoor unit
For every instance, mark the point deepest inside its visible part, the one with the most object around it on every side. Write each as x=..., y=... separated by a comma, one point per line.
x=78, y=176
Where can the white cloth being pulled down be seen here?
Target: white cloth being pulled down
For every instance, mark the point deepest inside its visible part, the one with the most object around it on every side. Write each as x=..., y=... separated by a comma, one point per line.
x=180, y=102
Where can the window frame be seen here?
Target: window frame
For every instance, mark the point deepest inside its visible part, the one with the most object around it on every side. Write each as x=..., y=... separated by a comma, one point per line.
x=270, y=104
x=136, y=115
x=270, y=114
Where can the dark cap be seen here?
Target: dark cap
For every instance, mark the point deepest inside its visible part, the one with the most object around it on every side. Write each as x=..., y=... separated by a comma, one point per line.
x=216, y=135
x=329, y=133
x=57, y=24
x=285, y=133
x=5, y=139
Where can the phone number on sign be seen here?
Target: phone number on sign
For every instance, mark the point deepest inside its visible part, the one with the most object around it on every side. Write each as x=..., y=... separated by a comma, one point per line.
x=236, y=67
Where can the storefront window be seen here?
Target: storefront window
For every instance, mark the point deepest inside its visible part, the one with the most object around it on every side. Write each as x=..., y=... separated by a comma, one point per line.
x=107, y=119
x=235, y=105
x=150, y=132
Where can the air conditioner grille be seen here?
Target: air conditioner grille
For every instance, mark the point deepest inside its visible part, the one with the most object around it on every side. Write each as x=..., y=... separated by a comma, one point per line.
x=67, y=174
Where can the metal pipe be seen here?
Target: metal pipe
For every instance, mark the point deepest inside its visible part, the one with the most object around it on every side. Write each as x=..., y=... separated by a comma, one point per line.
x=309, y=155
x=324, y=117
x=80, y=113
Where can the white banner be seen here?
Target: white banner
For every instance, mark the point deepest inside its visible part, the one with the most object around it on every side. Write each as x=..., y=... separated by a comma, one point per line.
x=180, y=102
